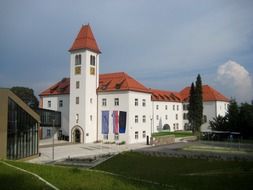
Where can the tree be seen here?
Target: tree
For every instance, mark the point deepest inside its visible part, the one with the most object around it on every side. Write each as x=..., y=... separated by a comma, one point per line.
x=233, y=116
x=246, y=120
x=198, y=103
x=195, y=113
x=191, y=109
x=27, y=95
x=219, y=123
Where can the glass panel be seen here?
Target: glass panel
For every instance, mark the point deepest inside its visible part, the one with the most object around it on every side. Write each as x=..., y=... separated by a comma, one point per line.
x=22, y=134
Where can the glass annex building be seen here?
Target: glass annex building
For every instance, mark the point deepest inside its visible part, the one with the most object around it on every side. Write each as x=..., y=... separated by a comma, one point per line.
x=18, y=127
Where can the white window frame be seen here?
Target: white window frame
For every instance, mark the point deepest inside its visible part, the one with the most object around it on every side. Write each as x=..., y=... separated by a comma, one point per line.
x=136, y=119
x=104, y=102
x=116, y=101
x=136, y=103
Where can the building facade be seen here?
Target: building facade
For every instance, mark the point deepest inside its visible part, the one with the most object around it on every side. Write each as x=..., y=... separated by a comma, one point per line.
x=18, y=127
x=115, y=107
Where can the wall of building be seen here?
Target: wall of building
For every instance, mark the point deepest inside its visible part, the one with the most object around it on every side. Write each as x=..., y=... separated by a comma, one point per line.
x=55, y=105
x=87, y=107
x=110, y=106
x=138, y=131
x=171, y=116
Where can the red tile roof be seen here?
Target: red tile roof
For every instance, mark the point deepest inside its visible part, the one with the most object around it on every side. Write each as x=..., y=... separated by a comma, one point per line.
x=85, y=40
x=123, y=82
x=209, y=94
x=107, y=82
x=61, y=87
x=166, y=96
x=120, y=82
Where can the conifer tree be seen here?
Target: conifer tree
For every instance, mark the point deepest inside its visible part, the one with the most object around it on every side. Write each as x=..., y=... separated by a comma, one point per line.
x=198, y=103
x=191, y=108
x=195, y=112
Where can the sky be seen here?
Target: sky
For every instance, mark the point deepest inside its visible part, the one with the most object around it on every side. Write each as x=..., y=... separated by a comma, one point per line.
x=163, y=44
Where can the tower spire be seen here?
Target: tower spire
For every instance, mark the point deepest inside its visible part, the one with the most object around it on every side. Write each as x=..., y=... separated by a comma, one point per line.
x=85, y=40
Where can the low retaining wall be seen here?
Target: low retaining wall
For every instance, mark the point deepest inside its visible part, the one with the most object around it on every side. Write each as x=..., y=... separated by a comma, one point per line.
x=161, y=140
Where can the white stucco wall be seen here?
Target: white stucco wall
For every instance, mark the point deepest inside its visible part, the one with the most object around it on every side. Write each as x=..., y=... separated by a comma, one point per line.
x=160, y=113
x=87, y=107
x=127, y=104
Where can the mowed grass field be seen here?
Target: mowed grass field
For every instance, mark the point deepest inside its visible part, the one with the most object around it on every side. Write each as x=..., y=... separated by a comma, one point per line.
x=183, y=173
x=64, y=178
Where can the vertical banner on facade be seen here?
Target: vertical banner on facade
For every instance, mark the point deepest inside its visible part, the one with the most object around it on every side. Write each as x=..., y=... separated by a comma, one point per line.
x=122, y=121
x=105, y=122
x=115, y=116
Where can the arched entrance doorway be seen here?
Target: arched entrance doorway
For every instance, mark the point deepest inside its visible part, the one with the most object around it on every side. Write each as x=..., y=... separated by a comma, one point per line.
x=77, y=136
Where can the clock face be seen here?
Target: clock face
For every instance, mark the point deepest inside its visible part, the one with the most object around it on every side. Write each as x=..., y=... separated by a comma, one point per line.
x=78, y=70
x=92, y=70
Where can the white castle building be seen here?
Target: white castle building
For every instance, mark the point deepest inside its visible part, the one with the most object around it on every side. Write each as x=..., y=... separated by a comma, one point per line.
x=115, y=106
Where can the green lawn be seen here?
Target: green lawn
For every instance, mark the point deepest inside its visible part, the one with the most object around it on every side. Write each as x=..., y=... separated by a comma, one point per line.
x=182, y=173
x=176, y=133
x=65, y=178
x=11, y=178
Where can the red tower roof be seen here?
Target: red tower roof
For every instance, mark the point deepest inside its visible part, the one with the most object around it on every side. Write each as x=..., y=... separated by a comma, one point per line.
x=85, y=40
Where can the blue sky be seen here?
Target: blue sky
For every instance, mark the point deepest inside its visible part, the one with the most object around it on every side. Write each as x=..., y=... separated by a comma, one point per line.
x=163, y=44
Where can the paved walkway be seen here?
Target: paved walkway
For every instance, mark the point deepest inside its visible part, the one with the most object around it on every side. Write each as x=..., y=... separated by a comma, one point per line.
x=63, y=150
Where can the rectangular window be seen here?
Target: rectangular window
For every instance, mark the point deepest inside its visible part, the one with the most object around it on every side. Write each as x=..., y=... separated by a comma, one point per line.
x=77, y=84
x=136, y=102
x=103, y=102
x=157, y=107
x=185, y=106
x=77, y=118
x=166, y=117
x=143, y=102
x=48, y=132
x=143, y=134
x=176, y=116
x=91, y=100
x=136, y=119
x=185, y=117
x=78, y=70
x=78, y=59
x=166, y=107
x=157, y=117
x=144, y=119
x=173, y=107
x=90, y=117
x=116, y=101
x=177, y=107
x=136, y=135
x=92, y=60
x=49, y=104
x=61, y=103
x=77, y=100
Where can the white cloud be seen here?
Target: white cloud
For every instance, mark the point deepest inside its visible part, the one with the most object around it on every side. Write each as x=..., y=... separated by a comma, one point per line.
x=236, y=80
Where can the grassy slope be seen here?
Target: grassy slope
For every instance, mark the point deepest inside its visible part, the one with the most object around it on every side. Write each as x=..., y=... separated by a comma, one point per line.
x=73, y=178
x=11, y=178
x=183, y=173
x=176, y=133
